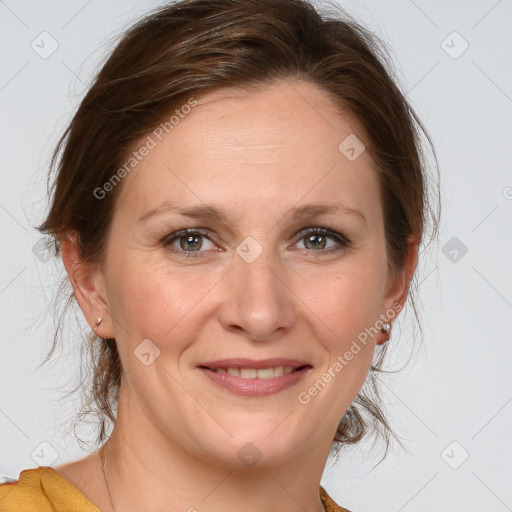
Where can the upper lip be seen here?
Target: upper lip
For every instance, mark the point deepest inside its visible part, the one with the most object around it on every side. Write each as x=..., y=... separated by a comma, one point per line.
x=241, y=362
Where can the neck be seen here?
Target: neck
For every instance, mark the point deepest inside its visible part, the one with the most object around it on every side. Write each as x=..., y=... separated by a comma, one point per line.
x=147, y=471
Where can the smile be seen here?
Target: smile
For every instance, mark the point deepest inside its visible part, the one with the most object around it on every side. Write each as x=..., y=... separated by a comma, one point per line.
x=253, y=373
x=254, y=382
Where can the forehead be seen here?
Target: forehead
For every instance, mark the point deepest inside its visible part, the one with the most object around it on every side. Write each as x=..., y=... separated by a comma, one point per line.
x=272, y=145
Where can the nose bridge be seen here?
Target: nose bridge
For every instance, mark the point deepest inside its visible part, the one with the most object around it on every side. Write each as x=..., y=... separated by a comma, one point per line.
x=257, y=301
x=256, y=265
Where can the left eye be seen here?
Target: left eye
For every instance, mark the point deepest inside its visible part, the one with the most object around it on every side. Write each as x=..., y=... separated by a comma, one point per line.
x=190, y=242
x=317, y=238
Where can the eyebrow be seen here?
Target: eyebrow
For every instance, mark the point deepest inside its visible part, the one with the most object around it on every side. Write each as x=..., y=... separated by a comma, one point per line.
x=203, y=211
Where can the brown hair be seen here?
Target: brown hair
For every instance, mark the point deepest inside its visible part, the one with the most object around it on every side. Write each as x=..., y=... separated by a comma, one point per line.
x=192, y=47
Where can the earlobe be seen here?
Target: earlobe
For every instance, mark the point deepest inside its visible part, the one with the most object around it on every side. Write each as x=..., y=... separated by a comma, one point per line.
x=399, y=290
x=88, y=285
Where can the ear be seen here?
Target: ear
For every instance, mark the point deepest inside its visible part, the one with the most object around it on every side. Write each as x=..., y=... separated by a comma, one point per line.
x=89, y=287
x=398, y=285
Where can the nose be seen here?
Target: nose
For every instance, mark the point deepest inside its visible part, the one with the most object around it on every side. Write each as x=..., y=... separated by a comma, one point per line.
x=258, y=300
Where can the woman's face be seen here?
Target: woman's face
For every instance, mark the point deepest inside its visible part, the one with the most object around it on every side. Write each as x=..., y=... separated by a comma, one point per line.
x=247, y=282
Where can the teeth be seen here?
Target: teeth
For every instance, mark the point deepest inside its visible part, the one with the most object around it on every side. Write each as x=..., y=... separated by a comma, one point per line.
x=248, y=373
x=265, y=373
x=278, y=371
x=253, y=373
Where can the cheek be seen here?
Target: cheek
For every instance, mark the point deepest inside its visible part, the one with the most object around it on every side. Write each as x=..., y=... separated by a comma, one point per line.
x=347, y=306
x=345, y=302
x=151, y=298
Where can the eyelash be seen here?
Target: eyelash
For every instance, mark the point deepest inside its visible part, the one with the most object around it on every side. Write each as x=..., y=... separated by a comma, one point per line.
x=342, y=240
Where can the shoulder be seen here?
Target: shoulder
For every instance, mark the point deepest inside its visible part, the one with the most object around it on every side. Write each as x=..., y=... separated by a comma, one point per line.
x=329, y=504
x=42, y=489
x=25, y=493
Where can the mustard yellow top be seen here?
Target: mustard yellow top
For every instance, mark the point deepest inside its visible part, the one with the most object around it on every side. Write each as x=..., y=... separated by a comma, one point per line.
x=43, y=489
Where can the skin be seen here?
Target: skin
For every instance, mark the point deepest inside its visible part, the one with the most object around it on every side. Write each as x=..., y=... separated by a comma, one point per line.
x=255, y=155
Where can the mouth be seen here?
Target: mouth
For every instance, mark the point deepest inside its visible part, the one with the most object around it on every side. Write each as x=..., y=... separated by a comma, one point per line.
x=255, y=378
x=257, y=373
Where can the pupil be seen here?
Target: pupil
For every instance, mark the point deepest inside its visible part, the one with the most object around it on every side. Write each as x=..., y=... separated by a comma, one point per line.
x=311, y=239
x=190, y=240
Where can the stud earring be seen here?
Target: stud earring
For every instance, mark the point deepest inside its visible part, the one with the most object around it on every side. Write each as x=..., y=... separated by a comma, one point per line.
x=386, y=329
x=98, y=322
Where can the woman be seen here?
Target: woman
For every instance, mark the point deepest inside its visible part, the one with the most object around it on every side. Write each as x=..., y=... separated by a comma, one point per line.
x=239, y=203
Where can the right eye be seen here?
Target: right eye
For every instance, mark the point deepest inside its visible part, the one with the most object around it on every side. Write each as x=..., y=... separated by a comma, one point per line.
x=189, y=241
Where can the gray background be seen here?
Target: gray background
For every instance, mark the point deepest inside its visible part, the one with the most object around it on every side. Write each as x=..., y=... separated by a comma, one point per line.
x=452, y=402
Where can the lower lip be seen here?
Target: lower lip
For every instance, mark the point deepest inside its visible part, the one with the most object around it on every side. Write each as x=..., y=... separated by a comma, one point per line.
x=255, y=387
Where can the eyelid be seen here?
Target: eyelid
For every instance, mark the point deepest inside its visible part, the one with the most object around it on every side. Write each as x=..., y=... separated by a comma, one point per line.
x=324, y=231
